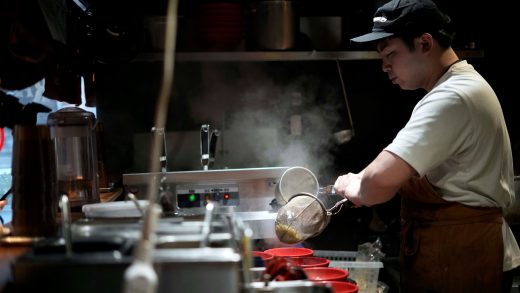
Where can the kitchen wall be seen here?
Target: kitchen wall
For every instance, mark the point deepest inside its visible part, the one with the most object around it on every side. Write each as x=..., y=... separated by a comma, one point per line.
x=250, y=102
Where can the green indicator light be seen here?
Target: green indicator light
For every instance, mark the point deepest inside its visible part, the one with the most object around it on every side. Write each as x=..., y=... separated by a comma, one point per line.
x=191, y=197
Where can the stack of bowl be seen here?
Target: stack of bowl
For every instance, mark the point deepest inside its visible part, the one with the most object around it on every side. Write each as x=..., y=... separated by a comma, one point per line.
x=219, y=25
x=316, y=269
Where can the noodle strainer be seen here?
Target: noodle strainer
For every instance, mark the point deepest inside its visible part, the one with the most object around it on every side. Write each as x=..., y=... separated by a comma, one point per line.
x=304, y=214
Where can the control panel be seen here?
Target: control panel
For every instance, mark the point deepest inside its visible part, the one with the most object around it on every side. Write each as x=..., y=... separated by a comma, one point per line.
x=198, y=195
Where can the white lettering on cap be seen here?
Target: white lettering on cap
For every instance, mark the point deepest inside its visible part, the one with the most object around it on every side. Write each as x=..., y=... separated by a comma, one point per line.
x=380, y=19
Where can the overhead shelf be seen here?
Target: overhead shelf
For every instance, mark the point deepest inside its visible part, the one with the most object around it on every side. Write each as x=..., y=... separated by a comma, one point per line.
x=280, y=56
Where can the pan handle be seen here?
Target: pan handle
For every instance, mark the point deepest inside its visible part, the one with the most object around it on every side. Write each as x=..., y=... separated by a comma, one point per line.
x=337, y=206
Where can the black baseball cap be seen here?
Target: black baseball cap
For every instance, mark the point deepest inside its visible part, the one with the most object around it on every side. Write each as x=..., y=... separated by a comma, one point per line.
x=405, y=16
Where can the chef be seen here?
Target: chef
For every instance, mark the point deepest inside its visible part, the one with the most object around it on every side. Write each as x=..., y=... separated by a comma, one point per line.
x=451, y=163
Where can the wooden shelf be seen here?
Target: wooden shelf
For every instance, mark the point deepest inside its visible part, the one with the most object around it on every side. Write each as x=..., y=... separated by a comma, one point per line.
x=279, y=56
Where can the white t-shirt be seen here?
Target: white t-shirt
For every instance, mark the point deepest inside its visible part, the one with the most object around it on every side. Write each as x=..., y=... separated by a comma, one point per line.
x=458, y=138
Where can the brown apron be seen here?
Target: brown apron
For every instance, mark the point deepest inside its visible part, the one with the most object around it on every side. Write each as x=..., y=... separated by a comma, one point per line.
x=447, y=246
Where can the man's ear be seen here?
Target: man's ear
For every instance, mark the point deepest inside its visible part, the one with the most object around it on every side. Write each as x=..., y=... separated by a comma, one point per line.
x=426, y=41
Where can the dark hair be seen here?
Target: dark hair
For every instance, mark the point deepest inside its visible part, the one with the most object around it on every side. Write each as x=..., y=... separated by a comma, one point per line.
x=439, y=25
x=443, y=37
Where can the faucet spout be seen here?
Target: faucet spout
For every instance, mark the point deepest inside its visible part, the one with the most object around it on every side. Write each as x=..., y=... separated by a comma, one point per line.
x=208, y=144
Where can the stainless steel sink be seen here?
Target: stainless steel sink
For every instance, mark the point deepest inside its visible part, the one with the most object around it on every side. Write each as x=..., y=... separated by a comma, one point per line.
x=179, y=270
x=102, y=250
x=170, y=232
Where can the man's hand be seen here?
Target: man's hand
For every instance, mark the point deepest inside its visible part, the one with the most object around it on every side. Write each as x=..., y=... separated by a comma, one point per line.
x=348, y=186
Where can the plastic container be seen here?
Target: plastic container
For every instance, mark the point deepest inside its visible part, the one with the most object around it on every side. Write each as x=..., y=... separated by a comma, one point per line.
x=365, y=273
x=326, y=274
x=290, y=251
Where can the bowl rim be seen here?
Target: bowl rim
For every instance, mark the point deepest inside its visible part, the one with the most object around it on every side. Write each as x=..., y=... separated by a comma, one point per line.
x=261, y=254
x=348, y=284
x=318, y=261
x=298, y=251
x=338, y=274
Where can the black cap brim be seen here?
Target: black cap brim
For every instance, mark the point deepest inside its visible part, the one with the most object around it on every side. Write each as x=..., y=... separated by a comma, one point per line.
x=370, y=37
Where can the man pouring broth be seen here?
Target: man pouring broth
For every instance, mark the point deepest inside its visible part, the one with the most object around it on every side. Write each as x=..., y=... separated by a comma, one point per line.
x=451, y=163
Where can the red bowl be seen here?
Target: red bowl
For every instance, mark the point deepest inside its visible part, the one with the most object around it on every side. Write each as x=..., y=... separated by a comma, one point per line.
x=326, y=274
x=290, y=251
x=340, y=287
x=264, y=255
x=308, y=261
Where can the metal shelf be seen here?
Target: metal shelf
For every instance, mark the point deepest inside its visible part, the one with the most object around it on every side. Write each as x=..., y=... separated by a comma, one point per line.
x=279, y=56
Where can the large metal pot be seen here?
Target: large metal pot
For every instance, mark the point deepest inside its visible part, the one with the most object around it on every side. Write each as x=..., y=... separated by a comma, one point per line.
x=274, y=25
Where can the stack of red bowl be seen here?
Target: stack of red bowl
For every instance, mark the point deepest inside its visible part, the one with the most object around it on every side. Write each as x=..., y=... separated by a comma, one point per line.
x=316, y=269
x=219, y=25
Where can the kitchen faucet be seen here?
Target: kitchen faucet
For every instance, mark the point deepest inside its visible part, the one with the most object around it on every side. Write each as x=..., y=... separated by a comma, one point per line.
x=208, y=144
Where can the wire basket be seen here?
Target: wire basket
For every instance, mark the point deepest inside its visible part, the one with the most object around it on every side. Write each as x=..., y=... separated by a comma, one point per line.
x=365, y=273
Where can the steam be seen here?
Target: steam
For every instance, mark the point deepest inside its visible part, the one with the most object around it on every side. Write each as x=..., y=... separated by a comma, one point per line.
x=254, y=113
